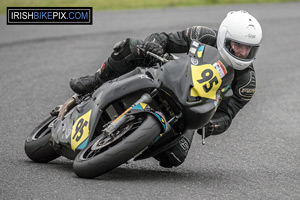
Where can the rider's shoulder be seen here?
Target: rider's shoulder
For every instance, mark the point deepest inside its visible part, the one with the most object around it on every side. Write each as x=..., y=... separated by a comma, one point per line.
x=247, y=73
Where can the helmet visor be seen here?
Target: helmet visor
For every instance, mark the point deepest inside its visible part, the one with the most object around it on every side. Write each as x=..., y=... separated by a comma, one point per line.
x=241, y=51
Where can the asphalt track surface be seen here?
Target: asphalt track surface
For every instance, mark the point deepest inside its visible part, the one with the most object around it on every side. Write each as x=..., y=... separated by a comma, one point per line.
x=257, y=158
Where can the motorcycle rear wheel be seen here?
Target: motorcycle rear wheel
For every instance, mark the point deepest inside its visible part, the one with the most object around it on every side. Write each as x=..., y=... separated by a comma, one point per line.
x=105, y=153
x=37, y=144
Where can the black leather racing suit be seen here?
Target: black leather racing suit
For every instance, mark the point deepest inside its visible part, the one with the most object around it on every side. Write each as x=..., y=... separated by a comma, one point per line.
x=244, y=82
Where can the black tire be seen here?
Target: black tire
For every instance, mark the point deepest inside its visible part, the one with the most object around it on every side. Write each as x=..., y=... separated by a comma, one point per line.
x=37, y=144
x=131, y=140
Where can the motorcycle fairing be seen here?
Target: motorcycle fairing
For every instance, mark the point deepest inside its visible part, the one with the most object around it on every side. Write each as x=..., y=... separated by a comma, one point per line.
x=195, y=82
x=74, y=132
x=117, y=88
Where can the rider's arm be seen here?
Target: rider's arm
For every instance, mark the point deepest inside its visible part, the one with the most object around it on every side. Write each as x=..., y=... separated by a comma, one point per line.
x=179, y=42
x=243, y=88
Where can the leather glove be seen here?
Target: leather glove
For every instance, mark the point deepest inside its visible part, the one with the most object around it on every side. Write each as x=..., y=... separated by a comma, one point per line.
x=210, y=127
x=154, y=48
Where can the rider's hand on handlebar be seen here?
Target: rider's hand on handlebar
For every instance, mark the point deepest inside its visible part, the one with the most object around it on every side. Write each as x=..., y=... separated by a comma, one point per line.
x=153, y=48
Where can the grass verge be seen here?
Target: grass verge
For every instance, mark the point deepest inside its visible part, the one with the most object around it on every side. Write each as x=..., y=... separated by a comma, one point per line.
x=121, y=4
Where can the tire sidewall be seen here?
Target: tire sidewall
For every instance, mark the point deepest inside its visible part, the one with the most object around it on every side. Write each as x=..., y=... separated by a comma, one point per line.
x=40, y=150
x=123, y=151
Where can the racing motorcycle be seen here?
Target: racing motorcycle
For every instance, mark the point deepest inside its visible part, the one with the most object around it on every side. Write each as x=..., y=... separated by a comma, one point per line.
x=135, y=116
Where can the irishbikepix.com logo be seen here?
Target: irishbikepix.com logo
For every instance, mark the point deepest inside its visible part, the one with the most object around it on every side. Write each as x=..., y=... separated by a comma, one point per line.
x=49, y=15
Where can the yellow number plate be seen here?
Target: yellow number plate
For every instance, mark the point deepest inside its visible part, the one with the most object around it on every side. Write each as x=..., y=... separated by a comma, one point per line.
x=206, y=81
x=80, y=130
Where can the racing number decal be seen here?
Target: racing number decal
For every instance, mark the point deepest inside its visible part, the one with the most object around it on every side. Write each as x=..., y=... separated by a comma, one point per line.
x=80, y=130
x=206, y=81
x=207, y=76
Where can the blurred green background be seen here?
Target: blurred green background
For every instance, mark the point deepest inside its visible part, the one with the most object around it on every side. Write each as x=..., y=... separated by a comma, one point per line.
x=122, y=4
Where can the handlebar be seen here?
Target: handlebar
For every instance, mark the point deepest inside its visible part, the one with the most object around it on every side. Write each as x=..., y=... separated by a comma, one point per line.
x=140, y=47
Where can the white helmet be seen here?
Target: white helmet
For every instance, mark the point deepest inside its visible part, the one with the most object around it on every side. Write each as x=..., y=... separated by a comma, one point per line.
x=239, y=27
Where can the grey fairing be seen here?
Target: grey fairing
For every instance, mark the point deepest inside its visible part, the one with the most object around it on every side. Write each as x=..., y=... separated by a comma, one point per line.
x=118, y=88
x=61, y=130
x=176, y=79
x=102, y=97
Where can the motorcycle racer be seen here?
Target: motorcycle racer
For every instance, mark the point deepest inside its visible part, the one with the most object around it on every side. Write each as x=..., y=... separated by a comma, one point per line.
x=237, y=39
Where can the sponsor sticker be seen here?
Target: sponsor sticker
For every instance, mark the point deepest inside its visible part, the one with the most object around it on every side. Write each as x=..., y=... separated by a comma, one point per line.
x=200, y=51
x=194, y=61
x=220, y=68
x=184, y=145
x=193, y=50
x=195, y=44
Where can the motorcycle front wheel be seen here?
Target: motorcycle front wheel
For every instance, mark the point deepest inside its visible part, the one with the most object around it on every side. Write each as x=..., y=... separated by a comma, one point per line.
x=105, y=153
x=37, y=144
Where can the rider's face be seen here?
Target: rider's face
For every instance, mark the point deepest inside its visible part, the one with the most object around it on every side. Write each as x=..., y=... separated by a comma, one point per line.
x=240, y=50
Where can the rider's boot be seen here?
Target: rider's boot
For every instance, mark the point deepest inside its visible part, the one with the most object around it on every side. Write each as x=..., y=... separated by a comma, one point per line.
x=86, y=83
x=123, y=59
x=176, y=155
